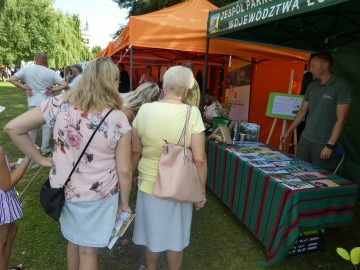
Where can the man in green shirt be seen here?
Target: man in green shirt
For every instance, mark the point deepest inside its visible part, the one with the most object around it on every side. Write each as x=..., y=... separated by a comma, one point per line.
x=327, y=102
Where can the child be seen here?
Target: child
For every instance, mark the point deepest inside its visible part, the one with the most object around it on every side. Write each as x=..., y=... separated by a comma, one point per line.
x=10, y=207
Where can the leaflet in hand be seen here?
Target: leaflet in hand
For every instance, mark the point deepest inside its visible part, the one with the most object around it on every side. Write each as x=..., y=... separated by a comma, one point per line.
x=120, y=227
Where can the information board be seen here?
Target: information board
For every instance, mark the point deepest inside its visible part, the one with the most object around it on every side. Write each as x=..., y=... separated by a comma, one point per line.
x=283, y=106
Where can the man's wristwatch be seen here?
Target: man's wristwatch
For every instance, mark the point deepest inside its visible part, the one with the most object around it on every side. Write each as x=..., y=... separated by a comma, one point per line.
x=330, y=146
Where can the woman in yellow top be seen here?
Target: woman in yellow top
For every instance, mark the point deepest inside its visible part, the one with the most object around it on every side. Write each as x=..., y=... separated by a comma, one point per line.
x=164, y=225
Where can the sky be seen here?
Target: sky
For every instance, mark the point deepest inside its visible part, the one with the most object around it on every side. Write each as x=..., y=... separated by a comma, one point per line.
x=103, y=16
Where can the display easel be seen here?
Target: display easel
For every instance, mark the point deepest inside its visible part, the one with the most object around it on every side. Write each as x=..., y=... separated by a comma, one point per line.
x=221, y=134
x=284, y=125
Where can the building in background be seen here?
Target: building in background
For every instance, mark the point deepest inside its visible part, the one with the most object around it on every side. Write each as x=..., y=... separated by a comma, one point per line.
x=86, y=34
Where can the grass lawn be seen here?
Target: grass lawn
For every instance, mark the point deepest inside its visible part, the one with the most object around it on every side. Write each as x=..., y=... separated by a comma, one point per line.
x=218, y=241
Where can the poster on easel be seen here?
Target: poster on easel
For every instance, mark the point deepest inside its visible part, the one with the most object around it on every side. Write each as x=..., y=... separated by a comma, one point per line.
x=283, y=106
x=237, y=94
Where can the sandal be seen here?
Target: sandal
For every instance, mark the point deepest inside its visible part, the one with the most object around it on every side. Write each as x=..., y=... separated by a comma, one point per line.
x=17, y=267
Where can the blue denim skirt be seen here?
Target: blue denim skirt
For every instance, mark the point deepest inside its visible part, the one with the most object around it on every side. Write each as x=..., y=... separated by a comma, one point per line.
x=89, y=224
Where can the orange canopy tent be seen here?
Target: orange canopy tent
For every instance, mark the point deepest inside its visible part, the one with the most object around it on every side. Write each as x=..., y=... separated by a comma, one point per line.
x=179, y=32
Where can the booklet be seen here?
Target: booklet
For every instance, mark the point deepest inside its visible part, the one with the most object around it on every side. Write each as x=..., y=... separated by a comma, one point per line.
x=290, y=169
x=247, y=144
x=297, y=184
x=309, y=175
x=283, y=177
x=261, y=163
x=121, y=225
x=252, y=150
x=322, y=183
x=275, y=170
x=289, y=162
x=250, y=157
x=279, y=158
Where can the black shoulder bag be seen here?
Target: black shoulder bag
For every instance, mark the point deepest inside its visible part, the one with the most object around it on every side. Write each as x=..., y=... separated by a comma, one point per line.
x=53, y=199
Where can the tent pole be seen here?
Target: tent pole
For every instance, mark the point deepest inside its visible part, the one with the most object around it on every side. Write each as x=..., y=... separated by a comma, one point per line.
x=131, y=67
x=205, y=75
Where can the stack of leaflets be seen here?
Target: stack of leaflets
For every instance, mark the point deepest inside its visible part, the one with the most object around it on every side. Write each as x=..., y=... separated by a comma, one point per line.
x=309, y=175
x=297, y=184
x=247, y=144
x=290, y=162
x=251, y=157
x=253, y=150
x=275, y=170
x=278, y=158
x=289, y=169
x=120, y=227
x=283, y=177
x=324, y=183
x=261, y=163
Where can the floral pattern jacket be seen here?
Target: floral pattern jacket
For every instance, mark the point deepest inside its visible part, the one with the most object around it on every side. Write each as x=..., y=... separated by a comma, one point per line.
x=95, y=177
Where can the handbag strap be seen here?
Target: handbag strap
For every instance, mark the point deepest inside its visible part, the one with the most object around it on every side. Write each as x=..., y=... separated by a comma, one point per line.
x=185, y=129
x=86, y=146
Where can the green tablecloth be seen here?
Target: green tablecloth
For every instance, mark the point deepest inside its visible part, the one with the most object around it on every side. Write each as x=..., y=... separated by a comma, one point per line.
x=274, y=213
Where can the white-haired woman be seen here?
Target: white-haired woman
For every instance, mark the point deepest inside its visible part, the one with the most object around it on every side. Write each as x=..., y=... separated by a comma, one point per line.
x=92, y=198
x=144, y=93
x=164, y=225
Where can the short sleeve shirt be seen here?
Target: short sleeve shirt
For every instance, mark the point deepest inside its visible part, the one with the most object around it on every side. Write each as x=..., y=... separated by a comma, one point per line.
x=323, y=99
x=38, y=78
x=95, y=177
x=156, y=122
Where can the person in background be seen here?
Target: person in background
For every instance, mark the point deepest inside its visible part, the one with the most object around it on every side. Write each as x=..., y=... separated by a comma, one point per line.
x=213, y=108
x=327, y=102
x=74, y=75
x=92, y=195
x=10, y=209
x=164, y=225
x=124, y=83
x=148, y=76
x=132, y=101
x=39, y=86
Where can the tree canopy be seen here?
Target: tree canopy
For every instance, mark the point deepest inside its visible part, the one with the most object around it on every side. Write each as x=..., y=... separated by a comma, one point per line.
x=27, y=27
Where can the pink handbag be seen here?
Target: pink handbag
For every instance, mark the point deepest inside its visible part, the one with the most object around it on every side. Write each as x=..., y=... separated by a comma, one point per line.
x=177, y=178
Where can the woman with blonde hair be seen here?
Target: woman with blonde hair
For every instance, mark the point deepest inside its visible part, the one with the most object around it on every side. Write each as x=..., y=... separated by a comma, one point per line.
x=164, y=225
x=92, y=195
x=132, y=101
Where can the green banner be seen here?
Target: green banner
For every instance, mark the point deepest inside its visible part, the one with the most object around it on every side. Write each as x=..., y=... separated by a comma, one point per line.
x=248, y=13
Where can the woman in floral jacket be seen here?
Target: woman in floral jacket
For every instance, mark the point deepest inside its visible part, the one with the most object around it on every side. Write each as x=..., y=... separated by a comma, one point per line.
x=92, y=200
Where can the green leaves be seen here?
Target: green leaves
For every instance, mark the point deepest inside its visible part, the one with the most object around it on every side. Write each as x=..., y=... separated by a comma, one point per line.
x=31, y=26
x=343, y=253
x=353, y=257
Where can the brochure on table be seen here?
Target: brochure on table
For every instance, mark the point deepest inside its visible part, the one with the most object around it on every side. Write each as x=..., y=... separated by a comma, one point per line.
x=293, y=173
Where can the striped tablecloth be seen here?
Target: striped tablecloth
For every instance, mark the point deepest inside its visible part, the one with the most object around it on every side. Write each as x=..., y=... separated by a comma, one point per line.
x=274, y=213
